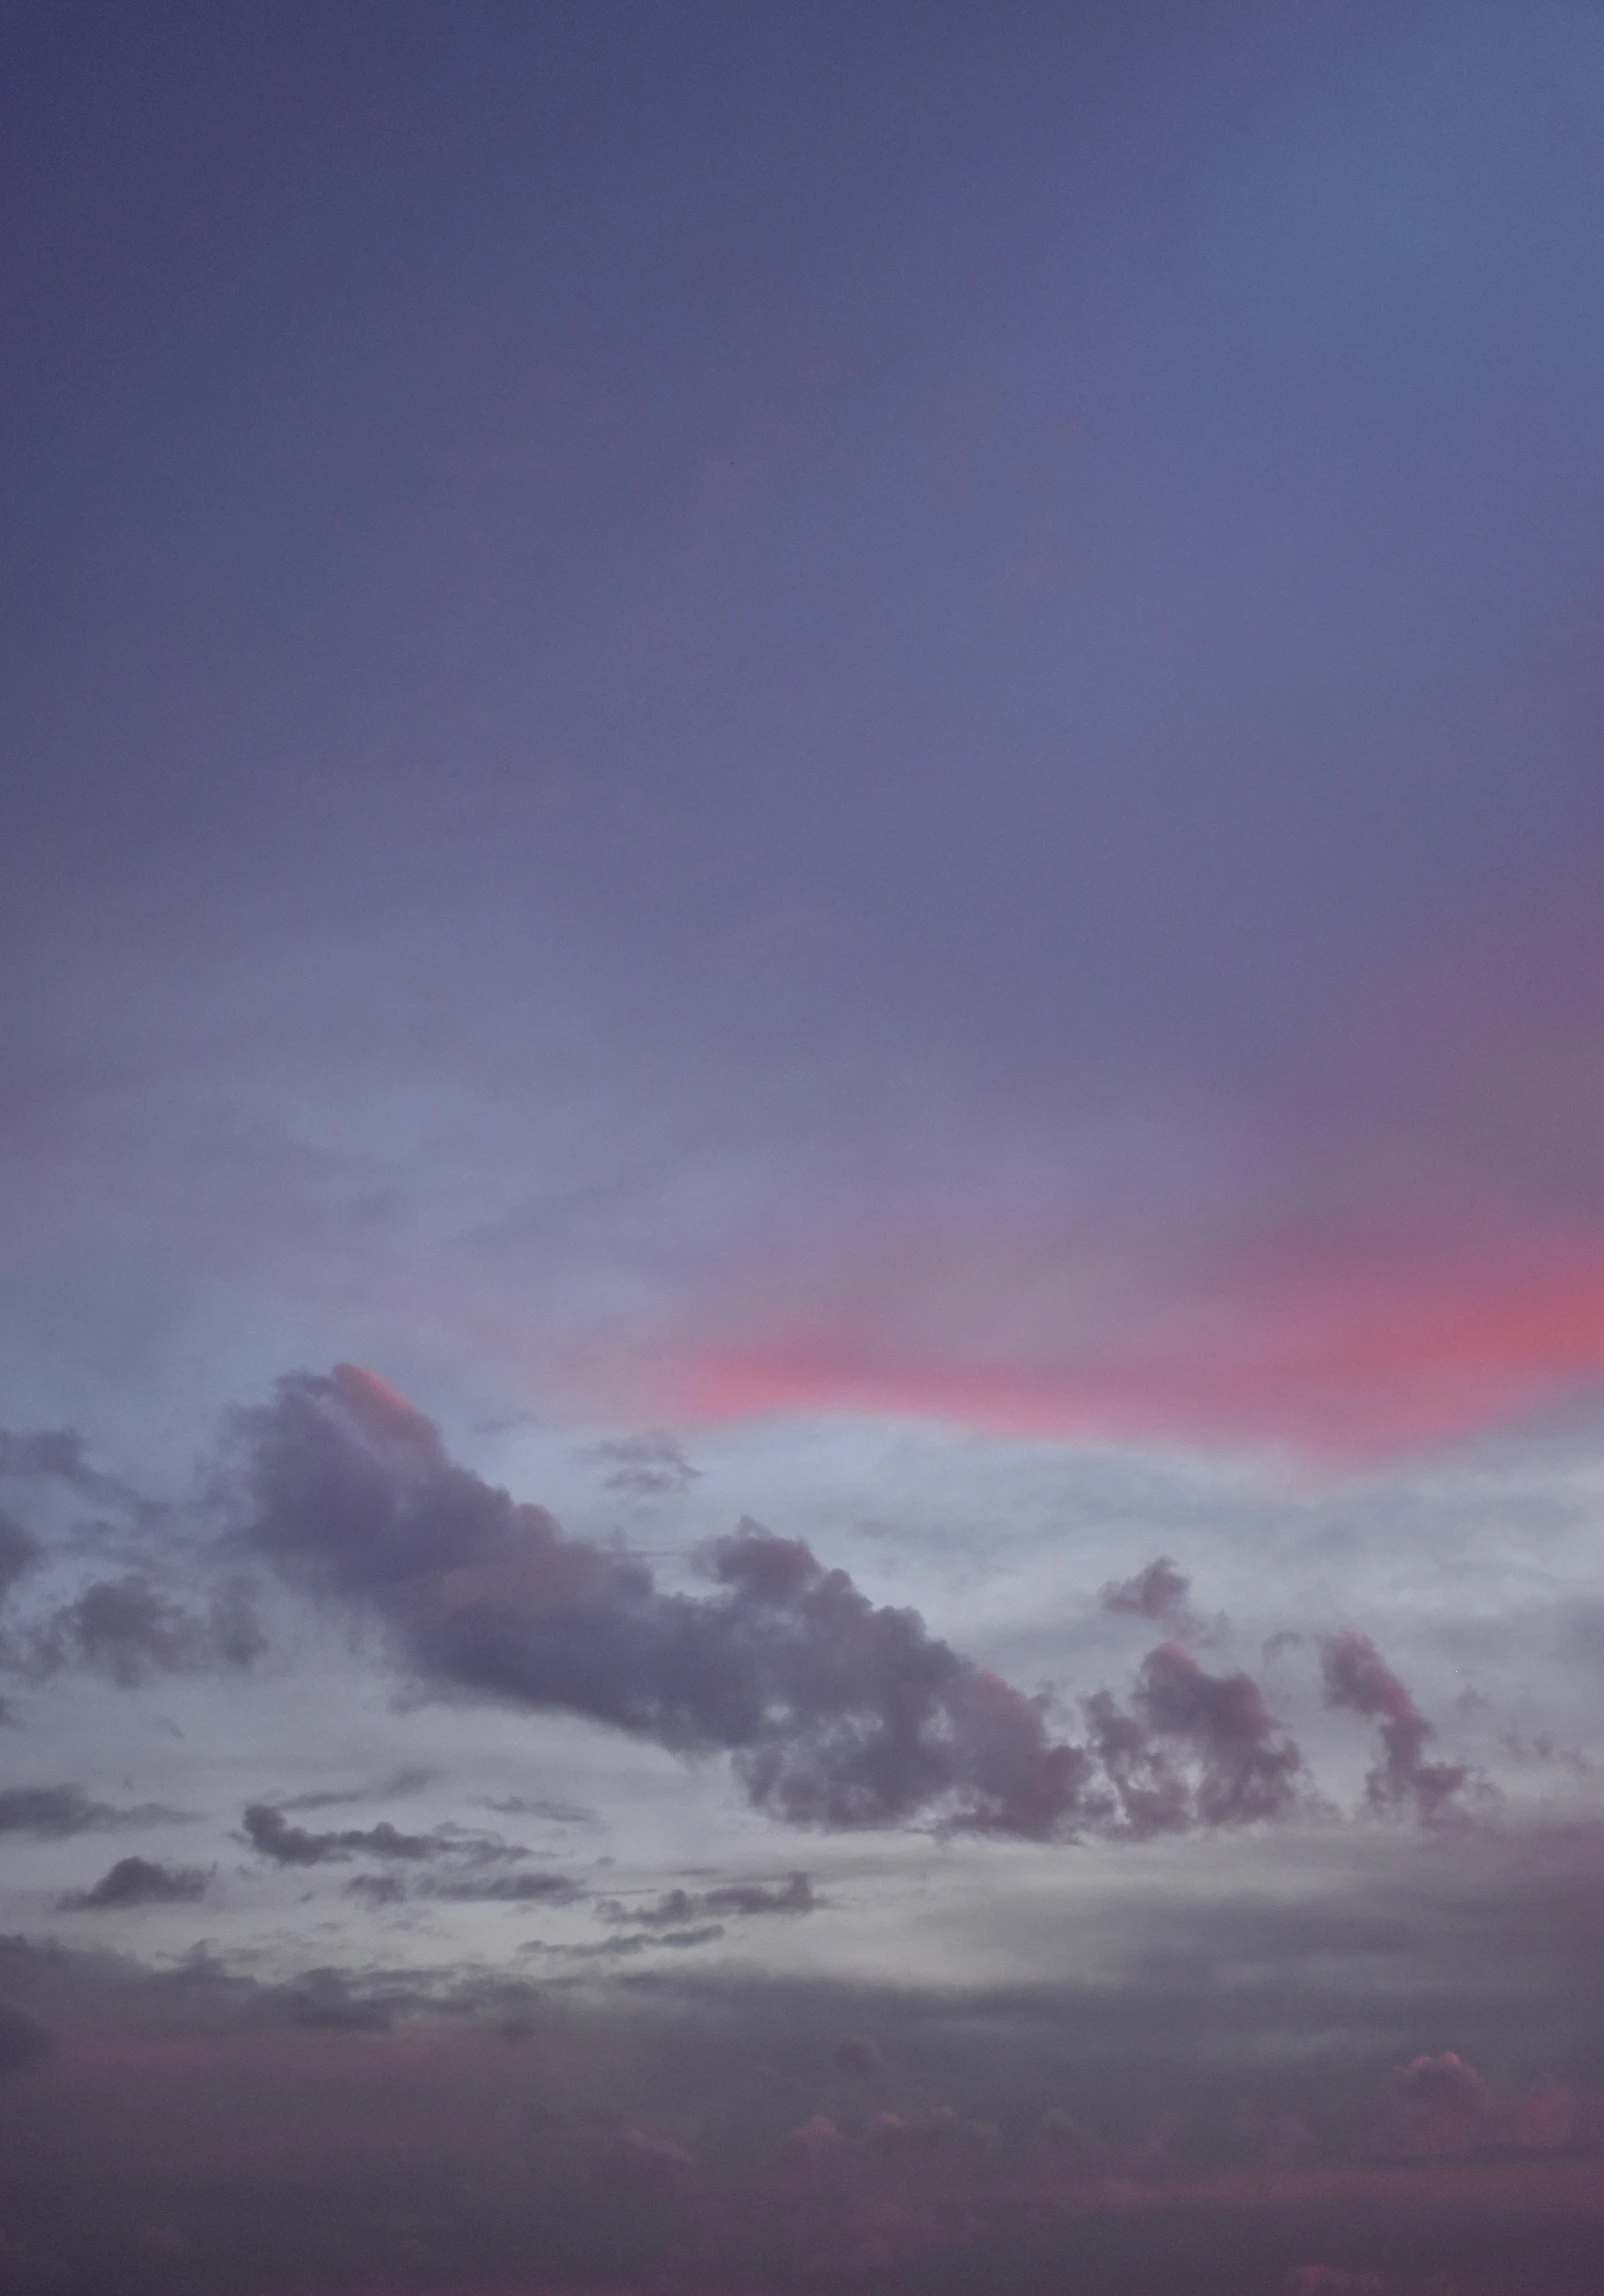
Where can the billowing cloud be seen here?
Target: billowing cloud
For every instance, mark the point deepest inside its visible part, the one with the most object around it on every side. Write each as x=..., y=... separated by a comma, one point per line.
x=1193, y=1749
x=1403, y=1781
x=836, y=1712
x=1250, y=1767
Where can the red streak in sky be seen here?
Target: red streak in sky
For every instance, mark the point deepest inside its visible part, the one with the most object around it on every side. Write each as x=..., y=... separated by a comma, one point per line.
x=1339, y=1366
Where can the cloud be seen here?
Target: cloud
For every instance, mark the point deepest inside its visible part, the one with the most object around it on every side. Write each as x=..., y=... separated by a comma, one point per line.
x=857, y=2058
x=795, y=1895
x=269, y=1832
x=1443, y=2105
x=679, y=1906
x=23, y=2040
x=377, y=1888
x=509, y=1889
x=137, y=1881
x=57, y=1454
x=1402, y=1782
x=649, y=1466
x=300, y=2130
x=556, y=1813
x=1333, y=2280
x=1195, y=1749
x=700, y=1933
x=410, y=1779
x=1251, y=1768
x=1149, y=1792
x=272, y=1834
x=128, y=1630
x=18, y=1553
x=835, y=1712
x=59, y=1810
x=1159, y=1593
x=1542, y=2119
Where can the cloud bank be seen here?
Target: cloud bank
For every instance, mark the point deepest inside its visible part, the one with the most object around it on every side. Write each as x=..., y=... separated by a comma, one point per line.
x=834, y=1711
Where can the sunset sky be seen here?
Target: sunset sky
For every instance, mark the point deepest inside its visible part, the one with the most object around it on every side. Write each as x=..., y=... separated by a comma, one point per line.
x=802, y=1148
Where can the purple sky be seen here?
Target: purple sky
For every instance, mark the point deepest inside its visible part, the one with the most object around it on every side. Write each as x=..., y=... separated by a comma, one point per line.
x=835, y=768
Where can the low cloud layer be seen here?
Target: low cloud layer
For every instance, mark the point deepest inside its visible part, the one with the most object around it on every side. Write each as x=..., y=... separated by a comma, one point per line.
x=1193, y=2119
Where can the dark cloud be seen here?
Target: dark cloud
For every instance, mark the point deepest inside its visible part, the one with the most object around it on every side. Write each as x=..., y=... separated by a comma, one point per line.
x=678, y=1906
x=858, y=2059
x=1250, y=1768
x=509, y=1889
x=795, y=1894
x=137, y=1881
x=1159, y=1593
x=327, y=2000
x=131, y=1631
x=1106, y=2134
x=1149, y=1793
x=377, y=1888
x=270, y=1832
x=56, y=1453
x=1194, y=1749
x=57, y=1810
x=836, y=1712
x=557, y=1813
x=18, y=1553
x=1442, y=2103
x=613, y=1948
x=409, y=1780
x=23, y=2040
x=1403, y=1782
x=649, y=1466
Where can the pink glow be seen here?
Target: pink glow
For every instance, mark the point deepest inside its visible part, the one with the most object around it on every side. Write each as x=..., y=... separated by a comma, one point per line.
x=1340, y=1365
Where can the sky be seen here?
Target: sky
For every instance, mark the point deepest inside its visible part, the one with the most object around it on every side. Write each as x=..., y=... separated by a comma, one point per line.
x=802, y=1148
